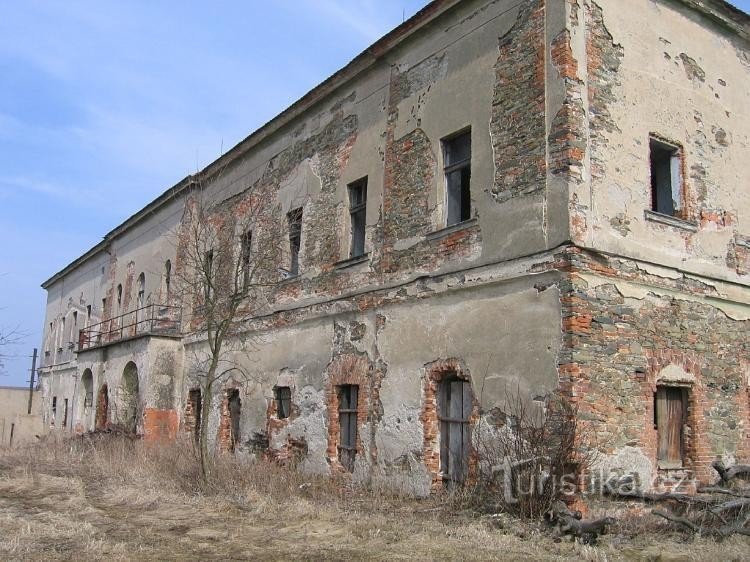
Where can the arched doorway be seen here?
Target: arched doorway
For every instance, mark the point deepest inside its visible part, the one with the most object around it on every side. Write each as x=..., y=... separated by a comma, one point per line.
x=129, y=398
x=102, y=408
x=86, y=399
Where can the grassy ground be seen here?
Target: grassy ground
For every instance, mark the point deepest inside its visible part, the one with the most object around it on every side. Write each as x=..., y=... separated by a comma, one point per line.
x=117, y=499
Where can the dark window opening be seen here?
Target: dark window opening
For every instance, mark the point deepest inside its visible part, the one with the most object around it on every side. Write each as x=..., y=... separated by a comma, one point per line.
x=65, y=413
x=348, y=395
x=670, y=415
x=457, y=157
x=247, y=240
x=54, y=409
x=196, y=403
x=235, y=410
x=357, y=213
x=208, y=274
x=666, y=178
x=141, y=289
x=104, y=306
x=168, y=277
x=455, y=401
x=283, y=397
x=88, y=315
x=295, y=239
x=119, y=297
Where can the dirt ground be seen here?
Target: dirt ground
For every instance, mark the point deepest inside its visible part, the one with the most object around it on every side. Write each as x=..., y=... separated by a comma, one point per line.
x=73, y=502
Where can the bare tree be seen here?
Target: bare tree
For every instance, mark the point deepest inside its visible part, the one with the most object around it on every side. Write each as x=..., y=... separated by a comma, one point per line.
x=226, y=265
x=8, y=339
x=533, y=453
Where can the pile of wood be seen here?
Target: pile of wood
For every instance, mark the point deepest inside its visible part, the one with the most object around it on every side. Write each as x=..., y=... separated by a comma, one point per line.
x=720, y=510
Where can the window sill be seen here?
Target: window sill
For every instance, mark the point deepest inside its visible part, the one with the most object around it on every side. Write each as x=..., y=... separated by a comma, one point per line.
x=448, y=230
x=668, y=220
x=343, y=264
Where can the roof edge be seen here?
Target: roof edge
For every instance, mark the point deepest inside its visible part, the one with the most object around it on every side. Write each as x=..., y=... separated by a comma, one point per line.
x=718, y=11
x=360, y=63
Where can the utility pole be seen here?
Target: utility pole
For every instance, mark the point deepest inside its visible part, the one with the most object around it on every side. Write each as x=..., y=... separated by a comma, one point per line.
x=31, y=380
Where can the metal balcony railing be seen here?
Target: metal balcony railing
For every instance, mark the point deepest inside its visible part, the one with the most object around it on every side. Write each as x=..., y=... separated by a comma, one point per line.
x=152, y=319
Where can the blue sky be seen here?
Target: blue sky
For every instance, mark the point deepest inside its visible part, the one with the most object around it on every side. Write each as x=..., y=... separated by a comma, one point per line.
x=104, y=105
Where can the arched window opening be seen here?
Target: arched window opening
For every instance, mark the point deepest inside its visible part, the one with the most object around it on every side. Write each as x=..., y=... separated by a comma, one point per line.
x=129, y=398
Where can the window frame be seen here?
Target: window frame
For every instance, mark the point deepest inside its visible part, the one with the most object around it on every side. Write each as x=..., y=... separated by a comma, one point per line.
x=676, y=187
x=357, y=217
x=294, y=224
x=464, y=212
x=348, y=395
x=246, y=244
x=282, y=395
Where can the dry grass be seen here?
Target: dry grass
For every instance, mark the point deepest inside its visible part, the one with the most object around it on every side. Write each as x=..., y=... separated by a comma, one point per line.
x=118, y=499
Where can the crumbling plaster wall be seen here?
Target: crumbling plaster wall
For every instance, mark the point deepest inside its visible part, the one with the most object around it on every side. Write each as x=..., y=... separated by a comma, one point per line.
x=659, y=67
x=387, y=124
x=385, y=347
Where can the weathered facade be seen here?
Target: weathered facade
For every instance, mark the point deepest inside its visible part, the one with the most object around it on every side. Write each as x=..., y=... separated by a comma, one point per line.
x=556, y=197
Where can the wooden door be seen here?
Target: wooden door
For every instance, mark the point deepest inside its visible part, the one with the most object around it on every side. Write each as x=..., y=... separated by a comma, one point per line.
x=456, y=401
x=670, y=418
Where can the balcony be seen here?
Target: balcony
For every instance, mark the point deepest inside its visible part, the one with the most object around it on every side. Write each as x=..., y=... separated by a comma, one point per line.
x=150, y=320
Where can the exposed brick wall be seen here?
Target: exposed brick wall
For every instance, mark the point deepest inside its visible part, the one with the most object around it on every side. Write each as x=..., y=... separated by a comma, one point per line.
x=433, y=375
x=347, y=368
x=160, y=425
x=614, y=350
x=518, y=127
x=604, y=60
x=567, y=136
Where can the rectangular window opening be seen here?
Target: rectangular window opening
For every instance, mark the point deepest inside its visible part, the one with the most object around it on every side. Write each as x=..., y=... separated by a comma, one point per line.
x=357, y=214
x=294, y=218
x=348, y=395
x=666, y=178
x=247, y=239
x=457, y=158
x=54, y=409
x=235, y=412
x=196, y=403
x=283, y=397
x=208, y=274
x=65, y=413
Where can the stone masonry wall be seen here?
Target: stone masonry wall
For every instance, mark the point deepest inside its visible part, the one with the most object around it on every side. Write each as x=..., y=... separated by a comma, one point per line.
x=617, y=347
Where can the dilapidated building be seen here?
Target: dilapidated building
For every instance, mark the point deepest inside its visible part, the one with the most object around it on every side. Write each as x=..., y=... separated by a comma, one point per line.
x=530, y=194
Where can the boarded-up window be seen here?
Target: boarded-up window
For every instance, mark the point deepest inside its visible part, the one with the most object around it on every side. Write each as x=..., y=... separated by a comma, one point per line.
x=283, y=397
x=348, y=395
x=669, y=417
x=455, y=405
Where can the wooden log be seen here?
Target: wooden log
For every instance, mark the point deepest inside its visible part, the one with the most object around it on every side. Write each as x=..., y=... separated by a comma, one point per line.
x=728, y=474
x=676, y=519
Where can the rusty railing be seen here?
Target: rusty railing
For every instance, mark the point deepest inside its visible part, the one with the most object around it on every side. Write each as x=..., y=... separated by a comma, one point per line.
x=152, y=319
